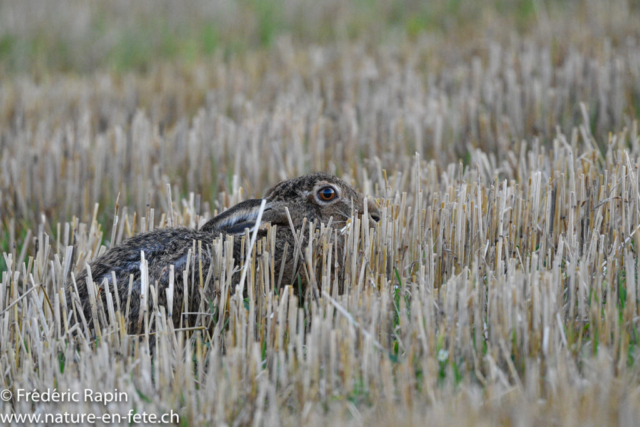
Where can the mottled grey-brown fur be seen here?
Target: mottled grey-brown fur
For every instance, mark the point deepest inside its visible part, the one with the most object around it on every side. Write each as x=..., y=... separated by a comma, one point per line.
x=170, y=246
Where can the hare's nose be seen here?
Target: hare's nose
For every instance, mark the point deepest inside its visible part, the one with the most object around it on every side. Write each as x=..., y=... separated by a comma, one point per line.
x=374, y=212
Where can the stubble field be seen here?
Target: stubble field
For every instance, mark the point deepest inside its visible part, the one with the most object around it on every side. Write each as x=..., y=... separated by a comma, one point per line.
x=501, y=143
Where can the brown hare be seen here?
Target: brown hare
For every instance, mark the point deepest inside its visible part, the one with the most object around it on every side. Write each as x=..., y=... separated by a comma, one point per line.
x=320, y=198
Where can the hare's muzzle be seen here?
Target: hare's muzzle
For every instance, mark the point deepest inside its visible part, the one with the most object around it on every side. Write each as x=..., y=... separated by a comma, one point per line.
x=374, y=212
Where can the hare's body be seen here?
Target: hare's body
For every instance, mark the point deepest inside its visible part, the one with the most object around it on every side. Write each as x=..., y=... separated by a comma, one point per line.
x=162, y=248
x=318, y=198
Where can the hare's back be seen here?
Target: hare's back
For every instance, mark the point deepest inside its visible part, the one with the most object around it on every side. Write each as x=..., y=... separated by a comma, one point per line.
x=161, y=248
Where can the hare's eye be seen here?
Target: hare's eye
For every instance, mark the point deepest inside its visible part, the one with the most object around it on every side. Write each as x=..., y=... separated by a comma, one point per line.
x=327, y=194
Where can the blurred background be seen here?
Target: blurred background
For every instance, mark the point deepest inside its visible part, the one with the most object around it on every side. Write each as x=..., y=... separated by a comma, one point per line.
x=84, y=36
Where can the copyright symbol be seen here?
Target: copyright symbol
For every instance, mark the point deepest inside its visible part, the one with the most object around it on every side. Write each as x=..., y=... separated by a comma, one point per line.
x=6, y=395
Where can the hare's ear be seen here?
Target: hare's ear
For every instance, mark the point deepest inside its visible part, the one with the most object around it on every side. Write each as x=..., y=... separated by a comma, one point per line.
x=241, y=216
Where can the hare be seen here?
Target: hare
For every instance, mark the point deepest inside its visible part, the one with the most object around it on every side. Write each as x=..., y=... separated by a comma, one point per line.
x=320, y=198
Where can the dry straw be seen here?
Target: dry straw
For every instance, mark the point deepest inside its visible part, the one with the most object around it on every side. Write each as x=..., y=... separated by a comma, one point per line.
x=498, y=289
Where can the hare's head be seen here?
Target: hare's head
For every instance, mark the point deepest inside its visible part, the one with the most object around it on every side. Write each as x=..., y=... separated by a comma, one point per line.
x=318, y=197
